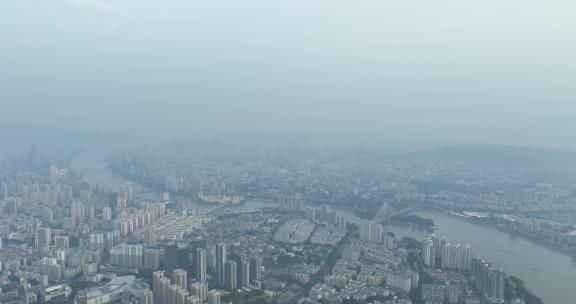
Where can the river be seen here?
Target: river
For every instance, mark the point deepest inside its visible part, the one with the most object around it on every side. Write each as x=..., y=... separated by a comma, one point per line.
x=549, y=274
x=93, y=167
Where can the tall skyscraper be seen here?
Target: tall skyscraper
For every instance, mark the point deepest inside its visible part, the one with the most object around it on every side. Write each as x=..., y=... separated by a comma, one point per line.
x=256, y=269
x=499, y=285
x=429, y=252
x=43, y=237
x=468, y=257
x=463, y=257
x=96, y=241
x=341, y=223
x=439, y=245
x=489, y=281
x=151, y=238
x=167, y=293
x=129, y=193
x=3, y=191
x=221, y=259
x=200, y=290
x=244, y=273
x=371, y=233
x=180, y=295
x=152, y=258
x=160, y=286
x=449, y=259
x=165, y=196
x=214, y=297
x=200, y=264
x=53, y=174
x=456, y=256
x=366, y=232
x=48, y=215
x=128, y=256
x=107, y=213
x=180, y=278
x=77, y=210
x=146, y=297
x=231, y=275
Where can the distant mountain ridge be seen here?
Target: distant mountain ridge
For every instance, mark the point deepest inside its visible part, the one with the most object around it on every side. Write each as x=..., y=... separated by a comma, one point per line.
x=500, y=155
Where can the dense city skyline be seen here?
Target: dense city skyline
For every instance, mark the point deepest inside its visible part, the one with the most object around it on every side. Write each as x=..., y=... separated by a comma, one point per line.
x=210, y=221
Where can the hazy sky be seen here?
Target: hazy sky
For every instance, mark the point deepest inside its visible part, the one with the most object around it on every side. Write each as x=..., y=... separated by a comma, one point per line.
x=495, y=71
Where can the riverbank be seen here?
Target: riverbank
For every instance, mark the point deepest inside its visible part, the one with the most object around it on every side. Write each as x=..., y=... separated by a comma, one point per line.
x=511, y=232
x=554, y=279
x=515, y=289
